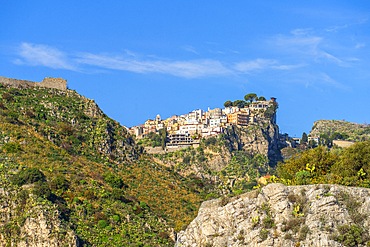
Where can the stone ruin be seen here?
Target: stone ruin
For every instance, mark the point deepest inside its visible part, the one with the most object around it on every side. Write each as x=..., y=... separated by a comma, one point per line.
x=48, y=82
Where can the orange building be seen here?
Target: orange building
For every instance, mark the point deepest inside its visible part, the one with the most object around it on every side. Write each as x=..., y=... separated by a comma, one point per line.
x=238, y=118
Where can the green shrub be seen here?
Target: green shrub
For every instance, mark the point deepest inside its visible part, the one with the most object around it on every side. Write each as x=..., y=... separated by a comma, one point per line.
x=116, y=218
x=264, y=234
x=59, y=183
x=42, y=190
x=113, y=180
x=102, y=224
x=351, y=235
x=27, y=176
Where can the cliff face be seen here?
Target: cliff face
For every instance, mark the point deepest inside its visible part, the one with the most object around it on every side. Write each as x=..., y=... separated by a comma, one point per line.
x=26, y=221
x=311, y=215
x=261, y=137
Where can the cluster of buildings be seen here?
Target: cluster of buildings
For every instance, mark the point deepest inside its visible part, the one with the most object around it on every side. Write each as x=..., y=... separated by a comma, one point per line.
x=186, y=129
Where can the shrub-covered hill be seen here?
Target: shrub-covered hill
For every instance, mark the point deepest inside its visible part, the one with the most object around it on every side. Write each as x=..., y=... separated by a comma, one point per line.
x=58, y=148
x=339, y=129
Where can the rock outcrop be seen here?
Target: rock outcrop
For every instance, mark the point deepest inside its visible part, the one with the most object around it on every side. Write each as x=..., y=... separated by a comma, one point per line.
x=25, y=221
x=277, y=215
x=261, y=137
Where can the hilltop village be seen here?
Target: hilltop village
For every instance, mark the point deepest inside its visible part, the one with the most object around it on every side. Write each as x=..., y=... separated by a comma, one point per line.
x=189, y=128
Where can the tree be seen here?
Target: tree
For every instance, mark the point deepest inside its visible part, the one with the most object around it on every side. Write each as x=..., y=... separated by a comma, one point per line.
x=239, y=103
x=250, y=97
x=163, y=135
x=353, y=159
x=319, y=157
x=304, y=138
x=228, y=103
x=261, y=98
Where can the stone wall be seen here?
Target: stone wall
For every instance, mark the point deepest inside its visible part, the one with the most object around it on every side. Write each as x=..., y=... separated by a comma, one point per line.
x=16, y=83
x=48, y=82
x=58, y=83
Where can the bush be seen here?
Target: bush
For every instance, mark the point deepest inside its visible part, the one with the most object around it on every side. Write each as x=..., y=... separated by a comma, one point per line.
x=42, y=190
x=351, y=235
x=113, y=180
x=102, y=224
x=59, y=183
x=116, y=218
x=27, y=176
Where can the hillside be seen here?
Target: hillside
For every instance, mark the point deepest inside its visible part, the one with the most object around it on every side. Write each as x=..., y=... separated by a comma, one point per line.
x=310, y=215
x=340, y=129
x=104, y=189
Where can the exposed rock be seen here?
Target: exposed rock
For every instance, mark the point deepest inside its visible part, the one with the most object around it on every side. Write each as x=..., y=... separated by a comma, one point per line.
x=277, y=215
x=261, y=137
x=24, y=221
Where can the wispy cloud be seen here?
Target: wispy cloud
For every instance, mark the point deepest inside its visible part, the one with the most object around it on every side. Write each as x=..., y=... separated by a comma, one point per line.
x=36, y=55
x=306, y=47
x=254, y=65
x=264, y=64
x=187, y=69
x=327, y=79
x=360, y=45
x=190, y=49
x=43, y=55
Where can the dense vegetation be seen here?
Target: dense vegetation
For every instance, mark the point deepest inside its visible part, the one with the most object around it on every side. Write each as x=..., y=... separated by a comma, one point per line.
x=75, y=157
x=349, y=166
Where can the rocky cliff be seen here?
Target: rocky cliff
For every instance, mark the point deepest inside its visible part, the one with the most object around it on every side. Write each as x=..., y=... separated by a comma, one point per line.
x=261, y=137
x=26, y=220
x=277, y=215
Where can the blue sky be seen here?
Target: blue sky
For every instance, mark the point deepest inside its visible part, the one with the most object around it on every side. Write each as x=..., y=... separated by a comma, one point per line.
x=140, y=58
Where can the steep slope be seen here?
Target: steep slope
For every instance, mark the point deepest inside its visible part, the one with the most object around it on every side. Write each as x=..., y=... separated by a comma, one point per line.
x=95, y=175
x=311, y=215
x=232, y=161
x=70, y=121
x=27, y=220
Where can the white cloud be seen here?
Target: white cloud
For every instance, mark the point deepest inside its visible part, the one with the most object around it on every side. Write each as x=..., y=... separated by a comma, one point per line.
x=42, y=55
x=297, y=42
x=327, y=79
x=35, y=54
x=190, y=49
x=360, y=45
x=307, y=48
x=263, y=64
x=186, y=69
x=254, y=65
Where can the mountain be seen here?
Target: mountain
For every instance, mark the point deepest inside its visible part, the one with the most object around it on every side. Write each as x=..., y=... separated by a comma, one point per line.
x=60, y=152
x=277, y=215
